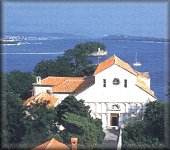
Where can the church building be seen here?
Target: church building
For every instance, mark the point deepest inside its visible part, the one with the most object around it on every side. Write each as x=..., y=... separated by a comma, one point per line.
x=114, y=92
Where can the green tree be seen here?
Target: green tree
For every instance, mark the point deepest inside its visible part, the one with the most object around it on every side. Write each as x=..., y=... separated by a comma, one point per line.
x=149, y=132
x=167, y=119
x=20, y=83
x=80, y=127
x=44, y=68
x=154, y=118
x=26, y=126
x=90, y=47
x=58, y=67
x=39, y=125
x=74, y=62
x=12, y=126
x=71, y=104
x=77, y=121
x=79, y=56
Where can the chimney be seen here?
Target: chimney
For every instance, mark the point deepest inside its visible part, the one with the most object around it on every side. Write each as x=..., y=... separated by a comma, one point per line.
x=74, y=143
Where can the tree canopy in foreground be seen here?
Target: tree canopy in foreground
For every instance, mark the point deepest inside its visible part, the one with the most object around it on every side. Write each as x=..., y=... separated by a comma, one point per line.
x=28, y=126
x=77, y=121
x=150, y=133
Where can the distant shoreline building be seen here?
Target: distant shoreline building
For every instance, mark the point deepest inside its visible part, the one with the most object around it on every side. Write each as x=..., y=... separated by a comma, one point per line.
x=114, y=93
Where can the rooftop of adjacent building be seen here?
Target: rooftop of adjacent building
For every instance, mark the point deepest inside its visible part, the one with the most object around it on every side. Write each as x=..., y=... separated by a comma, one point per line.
x=42, y=97
x=54, y=144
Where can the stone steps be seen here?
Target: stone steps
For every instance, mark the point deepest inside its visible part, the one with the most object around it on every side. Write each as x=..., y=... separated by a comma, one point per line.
x=111, y=138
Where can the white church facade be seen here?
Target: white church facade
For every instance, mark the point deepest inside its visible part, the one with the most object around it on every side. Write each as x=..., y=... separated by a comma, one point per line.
x=114, y=93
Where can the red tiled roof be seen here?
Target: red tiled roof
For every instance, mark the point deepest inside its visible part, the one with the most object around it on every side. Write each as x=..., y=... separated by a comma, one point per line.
x=125, y=66
x=54, y=81
x=104, y=65
x=52, y=145
x=89, y=81
x=68, y=84
x=42, y=97
x=117, y=61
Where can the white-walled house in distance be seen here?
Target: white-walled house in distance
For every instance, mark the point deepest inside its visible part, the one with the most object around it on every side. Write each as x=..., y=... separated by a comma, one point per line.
x=114, y=92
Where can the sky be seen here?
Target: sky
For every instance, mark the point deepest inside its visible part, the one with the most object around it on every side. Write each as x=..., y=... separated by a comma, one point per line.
x=90, y=19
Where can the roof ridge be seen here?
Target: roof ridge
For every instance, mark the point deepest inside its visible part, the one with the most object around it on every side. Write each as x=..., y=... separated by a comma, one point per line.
x=49, y=144
x=62, y=77
x=120, y=62
x=112, y=56
x=105, y=64
x=116, y=59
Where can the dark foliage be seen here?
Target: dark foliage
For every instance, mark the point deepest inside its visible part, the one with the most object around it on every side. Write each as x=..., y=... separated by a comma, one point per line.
x=148, y=133
x=12, y=126
x=74, y=62
x=76, y=119
x=20, y=83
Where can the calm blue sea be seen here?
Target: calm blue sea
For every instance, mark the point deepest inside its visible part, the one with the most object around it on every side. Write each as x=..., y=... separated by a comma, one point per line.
x=34, y=49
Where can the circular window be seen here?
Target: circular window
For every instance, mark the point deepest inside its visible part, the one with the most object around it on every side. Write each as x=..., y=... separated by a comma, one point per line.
x=116, y=81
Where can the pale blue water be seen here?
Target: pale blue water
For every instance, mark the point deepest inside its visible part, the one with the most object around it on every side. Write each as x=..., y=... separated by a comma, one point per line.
x=152, y=55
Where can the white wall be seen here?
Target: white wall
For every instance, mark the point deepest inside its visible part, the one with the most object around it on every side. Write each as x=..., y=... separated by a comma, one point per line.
x=100, y=98
x=114, y=93
x=41, y=89
x=102, y=110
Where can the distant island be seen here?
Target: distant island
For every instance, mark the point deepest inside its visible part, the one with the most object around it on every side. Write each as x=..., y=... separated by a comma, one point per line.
x=133, y=38
x=40, y=36
x=25, y=36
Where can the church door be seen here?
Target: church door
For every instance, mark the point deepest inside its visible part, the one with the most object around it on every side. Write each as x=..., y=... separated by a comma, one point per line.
x=114, y=119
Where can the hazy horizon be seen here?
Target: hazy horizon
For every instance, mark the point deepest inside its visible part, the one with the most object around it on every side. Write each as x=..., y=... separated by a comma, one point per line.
x=88, y=19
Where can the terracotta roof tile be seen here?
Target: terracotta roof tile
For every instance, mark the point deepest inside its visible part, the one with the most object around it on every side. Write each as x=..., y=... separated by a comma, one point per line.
x=42, y=146
x=68, y=84
x=117, y=61
x=89, y=81
x=104, y=65
x=42, y=97
x=57, y=80
x=125, y=65
x=141, y=84
x=52, y=145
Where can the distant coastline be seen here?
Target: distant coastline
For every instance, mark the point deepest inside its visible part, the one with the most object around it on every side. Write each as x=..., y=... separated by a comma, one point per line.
x=53, y=36
x=134, y=38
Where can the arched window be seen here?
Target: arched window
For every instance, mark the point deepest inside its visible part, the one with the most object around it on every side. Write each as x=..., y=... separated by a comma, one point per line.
x=115, y=107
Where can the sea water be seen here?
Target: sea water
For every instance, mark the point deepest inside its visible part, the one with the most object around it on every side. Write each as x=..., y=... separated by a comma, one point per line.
x=152, y=56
